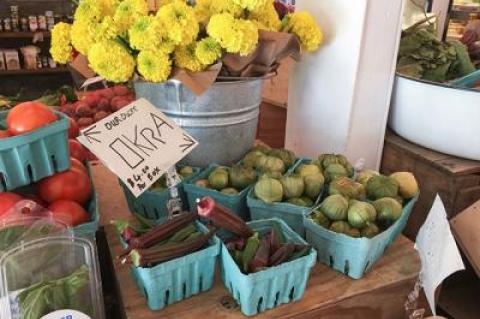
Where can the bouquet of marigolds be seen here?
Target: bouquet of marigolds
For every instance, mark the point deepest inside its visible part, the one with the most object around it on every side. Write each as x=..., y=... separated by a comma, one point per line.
x=123, y=37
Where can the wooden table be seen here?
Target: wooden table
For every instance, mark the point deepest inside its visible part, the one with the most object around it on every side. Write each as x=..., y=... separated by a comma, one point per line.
x=329, y=294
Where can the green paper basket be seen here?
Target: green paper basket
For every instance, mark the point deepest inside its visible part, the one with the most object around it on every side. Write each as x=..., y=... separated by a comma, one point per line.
x=293, y=215
x=27, y=158
x=267, y=289
x=354, y=256
x=90, y=228
x=178, y=279
x=236, y=203
x=153, y=204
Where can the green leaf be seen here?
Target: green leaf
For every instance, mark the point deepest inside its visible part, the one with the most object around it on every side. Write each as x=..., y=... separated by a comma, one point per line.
x=45, y=296
x=34, y=305
x=9, y=235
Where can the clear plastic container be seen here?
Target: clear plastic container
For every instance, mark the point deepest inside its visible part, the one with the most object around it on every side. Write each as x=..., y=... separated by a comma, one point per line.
x=51, y=277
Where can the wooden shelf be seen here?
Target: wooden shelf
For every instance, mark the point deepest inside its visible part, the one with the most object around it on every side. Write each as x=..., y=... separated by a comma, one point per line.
x=33, y=72
x=23, y=34
x=466, y=8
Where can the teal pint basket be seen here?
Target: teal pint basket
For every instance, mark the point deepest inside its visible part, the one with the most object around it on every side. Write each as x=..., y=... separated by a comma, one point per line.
x=27, y=158
x=236, y=203
x=178, y=279
x=354, y=257
x=90, y=228
x=293, y=215
x=153, y=204
x=273, y=286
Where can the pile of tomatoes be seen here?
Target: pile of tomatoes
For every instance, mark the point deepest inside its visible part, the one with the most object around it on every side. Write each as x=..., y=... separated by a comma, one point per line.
x=65, y=194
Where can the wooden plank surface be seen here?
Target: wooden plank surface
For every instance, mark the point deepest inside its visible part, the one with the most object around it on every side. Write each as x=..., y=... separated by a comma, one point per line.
x=380, y=294
x=329, y=294
x=447, y=163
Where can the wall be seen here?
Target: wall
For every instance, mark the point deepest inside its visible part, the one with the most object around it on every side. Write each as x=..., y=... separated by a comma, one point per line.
x=339, y=97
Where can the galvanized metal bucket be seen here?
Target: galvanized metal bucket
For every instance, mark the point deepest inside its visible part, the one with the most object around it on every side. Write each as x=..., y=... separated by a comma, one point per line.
x=223, y=119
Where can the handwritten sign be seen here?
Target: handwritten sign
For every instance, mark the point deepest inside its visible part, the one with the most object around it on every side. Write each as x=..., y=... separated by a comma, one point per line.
x=138, y=143
x=438, y=251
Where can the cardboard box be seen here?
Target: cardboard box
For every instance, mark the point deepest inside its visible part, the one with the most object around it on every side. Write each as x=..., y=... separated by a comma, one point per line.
x=11, y=59
x=466, y=230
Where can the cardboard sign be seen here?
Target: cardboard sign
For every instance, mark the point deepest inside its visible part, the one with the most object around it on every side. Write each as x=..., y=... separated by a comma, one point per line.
x=138, y=143
x=438, y=251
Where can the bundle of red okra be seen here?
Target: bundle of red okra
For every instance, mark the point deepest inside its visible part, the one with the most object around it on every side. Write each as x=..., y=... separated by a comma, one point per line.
x=149, y=244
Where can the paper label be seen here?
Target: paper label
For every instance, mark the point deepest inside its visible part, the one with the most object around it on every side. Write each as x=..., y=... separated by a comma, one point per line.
x=66, y=314
x=138, y=143
x=438, y=251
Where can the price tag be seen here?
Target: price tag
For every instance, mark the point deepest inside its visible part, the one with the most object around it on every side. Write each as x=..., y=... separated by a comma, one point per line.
x=138, y=143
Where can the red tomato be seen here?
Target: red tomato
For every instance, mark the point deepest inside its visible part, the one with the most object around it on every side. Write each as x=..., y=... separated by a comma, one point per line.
x=4, y=134
x=73, y=130
x=73, y=185
x=29, y=116
x=36, y=199
x=76, y=164
x=7, y=200
x=77, y=150
x=69, y=212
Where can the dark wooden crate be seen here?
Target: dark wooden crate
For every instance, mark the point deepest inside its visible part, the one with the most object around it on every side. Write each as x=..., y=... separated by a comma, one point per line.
x=456, y=180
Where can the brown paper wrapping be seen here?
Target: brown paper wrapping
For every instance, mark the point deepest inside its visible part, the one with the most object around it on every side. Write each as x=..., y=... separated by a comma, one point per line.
x=80, y=64
x=272, y=48
x=198, y=82
x=262, y=63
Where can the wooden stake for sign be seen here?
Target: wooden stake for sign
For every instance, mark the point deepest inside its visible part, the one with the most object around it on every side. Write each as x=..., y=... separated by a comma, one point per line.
x=174, y=204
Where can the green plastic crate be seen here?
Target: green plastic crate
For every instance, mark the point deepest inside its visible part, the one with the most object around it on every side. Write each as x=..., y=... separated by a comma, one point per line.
x=153, y=204
x=178, y=279
x=273, y=286
x=293, y=215
x=90, y=228
x=27, y=158
x=236, y=203
x=354, y=256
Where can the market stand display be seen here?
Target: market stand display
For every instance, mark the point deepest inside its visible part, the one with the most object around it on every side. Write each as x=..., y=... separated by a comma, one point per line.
x=220, y=57
x=328, y=293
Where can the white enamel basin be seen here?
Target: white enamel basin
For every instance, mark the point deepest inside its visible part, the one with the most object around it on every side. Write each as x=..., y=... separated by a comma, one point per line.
x=437, y=116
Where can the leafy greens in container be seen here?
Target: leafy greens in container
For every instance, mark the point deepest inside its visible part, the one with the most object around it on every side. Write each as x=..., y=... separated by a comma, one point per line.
x=422, y=55
x=44, y=269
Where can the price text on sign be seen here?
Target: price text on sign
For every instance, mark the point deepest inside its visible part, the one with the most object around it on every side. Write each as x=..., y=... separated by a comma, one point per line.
x=138, y=143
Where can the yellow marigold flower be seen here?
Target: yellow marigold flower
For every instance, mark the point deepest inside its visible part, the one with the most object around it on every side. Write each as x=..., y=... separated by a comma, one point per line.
x=112, y=61
x=208, y=51
x=220, y=28
x=108, y=7
x=61, y=49
x=304, y=26
x=82, y=35
x=227, y=6
x=234, y=35
x=251, y=4
x=186, y=58
x=89, y=10
x=248, y=36
x=143, y=34
x=204, y=9
x=128, y=11
x=180, y=21
x=165, y=2
x=266, y=17
x=154, y=66
x=106, y=30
